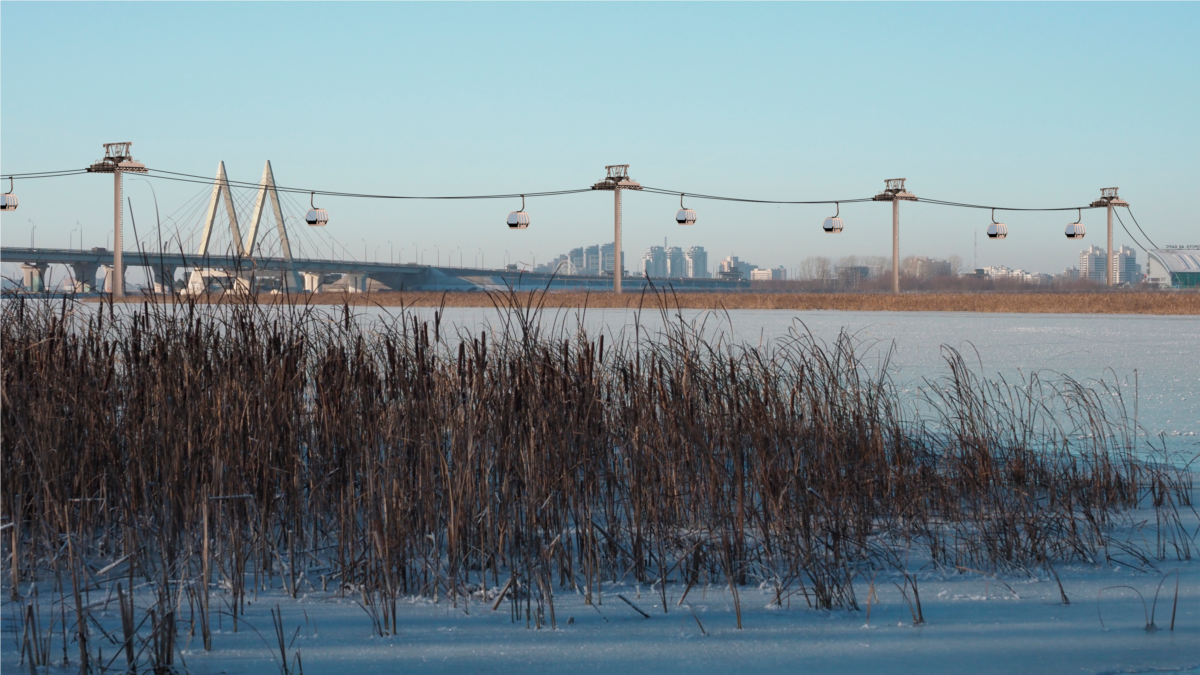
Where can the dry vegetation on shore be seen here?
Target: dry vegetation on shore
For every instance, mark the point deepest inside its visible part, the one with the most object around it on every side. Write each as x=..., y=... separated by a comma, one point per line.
x=1098, y=302
x=210, y=453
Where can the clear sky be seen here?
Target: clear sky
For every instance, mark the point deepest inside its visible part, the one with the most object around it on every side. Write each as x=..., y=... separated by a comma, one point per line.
x=1023, y=104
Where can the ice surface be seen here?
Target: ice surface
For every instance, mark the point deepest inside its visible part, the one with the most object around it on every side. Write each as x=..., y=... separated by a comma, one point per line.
x=973, y=625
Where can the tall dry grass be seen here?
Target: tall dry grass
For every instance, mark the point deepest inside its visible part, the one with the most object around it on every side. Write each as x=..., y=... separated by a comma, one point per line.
x=216, y=451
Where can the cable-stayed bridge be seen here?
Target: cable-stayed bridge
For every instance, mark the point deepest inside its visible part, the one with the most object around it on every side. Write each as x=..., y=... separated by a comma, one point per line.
x=238, y=274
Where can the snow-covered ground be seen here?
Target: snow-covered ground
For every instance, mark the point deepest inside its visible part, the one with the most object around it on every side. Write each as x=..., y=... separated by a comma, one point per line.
x=973, y=623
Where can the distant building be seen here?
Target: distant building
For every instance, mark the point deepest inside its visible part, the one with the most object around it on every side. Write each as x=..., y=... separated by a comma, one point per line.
x=773, y=274
x=560, y=265
x=696, y=260
x=676, y=264
x=1177, y=267
x=606, y=259
x=1125, y=267
x=734, y=269
x=654, y=262
x=577, y=258
x=927, y=268
x=1069, y=274
x=1002, y=272
x=1091, y=264
x=588, y=260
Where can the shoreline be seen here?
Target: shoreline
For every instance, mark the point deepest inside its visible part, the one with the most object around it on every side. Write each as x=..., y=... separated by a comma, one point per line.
x=1153, y=303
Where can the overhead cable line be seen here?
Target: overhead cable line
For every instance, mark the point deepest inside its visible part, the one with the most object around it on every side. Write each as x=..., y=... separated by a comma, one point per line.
x=1139, y=244
x=44, y=174
x=940, y=202
x=1139, y=227
x=696, y=195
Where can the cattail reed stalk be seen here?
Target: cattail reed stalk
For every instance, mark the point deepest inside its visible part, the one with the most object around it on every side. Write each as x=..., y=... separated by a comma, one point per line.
x=392, y=455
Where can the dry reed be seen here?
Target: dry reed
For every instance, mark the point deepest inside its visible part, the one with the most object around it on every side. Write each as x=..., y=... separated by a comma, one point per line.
x=241, y=447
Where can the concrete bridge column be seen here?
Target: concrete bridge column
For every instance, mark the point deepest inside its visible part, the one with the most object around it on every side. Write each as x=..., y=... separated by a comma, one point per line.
x=108, y=278
x=85, y=276
x=34, y=276
x=164, y=278
x=312, y=282
x=356, y=282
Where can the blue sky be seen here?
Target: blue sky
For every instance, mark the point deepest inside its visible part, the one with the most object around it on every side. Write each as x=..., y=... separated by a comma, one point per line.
x=1023, y=104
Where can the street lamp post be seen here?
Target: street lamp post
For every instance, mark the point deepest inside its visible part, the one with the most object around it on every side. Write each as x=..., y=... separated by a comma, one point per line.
x=617, y=180
x=439, y=255
x=895, y=193
x=32, y=232
x=1109, y=199
x=117, y=161
x=392, y=252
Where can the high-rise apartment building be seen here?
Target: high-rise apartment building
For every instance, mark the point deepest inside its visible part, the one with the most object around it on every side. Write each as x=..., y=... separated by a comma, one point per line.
x=654, y=262
x=696, y=260
x=1091, y=264
x=1126, y=270
x=576, y=256
x=676, y=265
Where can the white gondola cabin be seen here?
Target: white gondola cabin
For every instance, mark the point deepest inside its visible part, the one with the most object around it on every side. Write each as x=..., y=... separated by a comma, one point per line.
x=316, y=217
x=835, y=224
x=685, y=216
x=8, y=201
x=519, y=220
x=1076, y=230
x=997, y=230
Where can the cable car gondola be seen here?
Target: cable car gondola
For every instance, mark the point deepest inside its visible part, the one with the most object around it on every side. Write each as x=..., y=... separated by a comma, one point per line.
x=8, y=201
x=1076, y=229
x=519, y=220
x=835, y=224
x=316, y=217
x=685, y=216
x=997, y=230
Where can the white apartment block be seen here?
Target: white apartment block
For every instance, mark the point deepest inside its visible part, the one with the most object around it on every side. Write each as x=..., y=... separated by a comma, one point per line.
x=773, y=274
x=662, y=262
x=1125, y=267
x=1091, y=264
x=696, y=260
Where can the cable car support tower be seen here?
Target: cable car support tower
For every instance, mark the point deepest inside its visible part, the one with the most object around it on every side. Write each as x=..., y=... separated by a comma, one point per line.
x=117, y=161
x=1109, y=199
x=617, y=180
x=895, y=193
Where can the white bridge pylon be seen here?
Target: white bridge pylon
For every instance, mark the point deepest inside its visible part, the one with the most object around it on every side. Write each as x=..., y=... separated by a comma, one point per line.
x=245, y=249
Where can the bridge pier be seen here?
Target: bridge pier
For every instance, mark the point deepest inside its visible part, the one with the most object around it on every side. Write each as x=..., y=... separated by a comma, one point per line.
x=356, y=282
x=108, y=278
x=34, y=276
x=164, y=278
x=312, y=282
x=85, y=276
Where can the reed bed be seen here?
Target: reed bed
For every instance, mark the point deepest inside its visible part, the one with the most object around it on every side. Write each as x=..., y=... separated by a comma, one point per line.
x=1092, y=302
x=212, y=452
